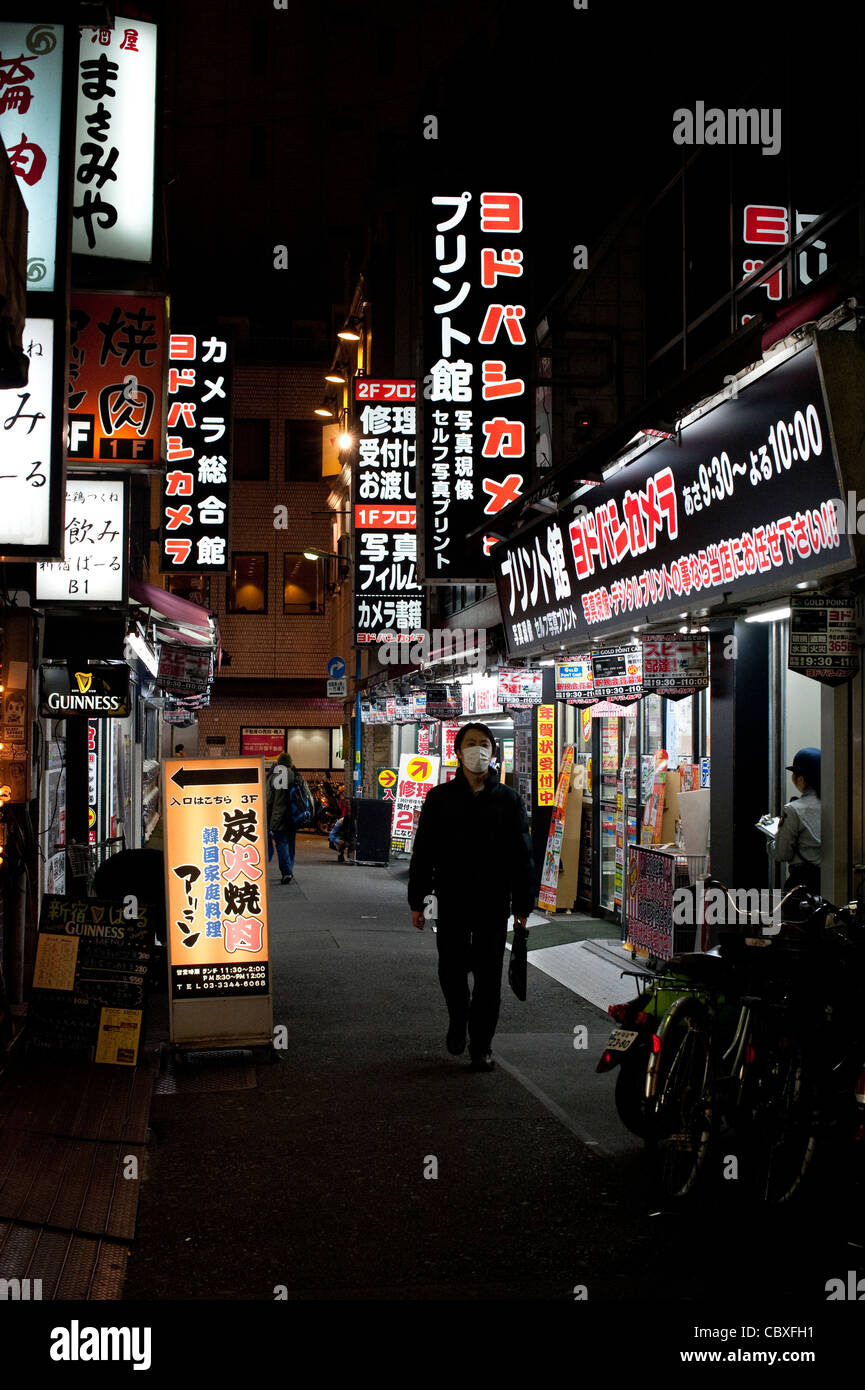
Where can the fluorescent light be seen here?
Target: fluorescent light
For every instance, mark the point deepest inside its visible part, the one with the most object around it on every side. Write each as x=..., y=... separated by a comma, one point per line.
x=142, y=650
x=769, y=615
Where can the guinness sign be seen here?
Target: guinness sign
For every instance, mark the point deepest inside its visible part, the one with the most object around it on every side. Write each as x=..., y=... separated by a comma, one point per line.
x=97, y=692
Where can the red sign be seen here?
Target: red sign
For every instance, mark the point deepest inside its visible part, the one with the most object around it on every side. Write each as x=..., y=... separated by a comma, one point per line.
x=262, y=743
x=366, y=390
x=395, y=518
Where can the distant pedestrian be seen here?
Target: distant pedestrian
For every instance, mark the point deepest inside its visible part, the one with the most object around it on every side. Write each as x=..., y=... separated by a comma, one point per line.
x=178, y=750
x=798, y=841
x=472, y=850
x=287, y=794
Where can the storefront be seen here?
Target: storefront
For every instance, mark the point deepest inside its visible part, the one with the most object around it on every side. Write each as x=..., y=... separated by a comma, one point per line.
x=707, y=537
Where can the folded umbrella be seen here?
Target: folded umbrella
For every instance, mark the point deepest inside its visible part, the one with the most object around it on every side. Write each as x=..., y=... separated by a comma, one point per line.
x=518, y=964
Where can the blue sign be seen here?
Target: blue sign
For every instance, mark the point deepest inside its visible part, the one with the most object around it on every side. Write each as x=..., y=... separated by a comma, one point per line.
x=336, y=668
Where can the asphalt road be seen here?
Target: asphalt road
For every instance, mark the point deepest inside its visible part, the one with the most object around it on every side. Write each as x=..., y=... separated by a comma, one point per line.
x=367, y=1164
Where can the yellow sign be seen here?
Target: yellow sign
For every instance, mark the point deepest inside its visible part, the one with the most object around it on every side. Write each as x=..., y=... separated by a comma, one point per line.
x=546, y=755
x=387, y=777
x=216, y=893
x=91, y=817
x=330, y=460
x=84, y=679
x=119, y=1031
x=56, y=957
x=419, y=769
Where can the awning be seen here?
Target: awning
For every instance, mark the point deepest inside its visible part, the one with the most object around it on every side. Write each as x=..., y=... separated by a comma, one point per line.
x=177, y=619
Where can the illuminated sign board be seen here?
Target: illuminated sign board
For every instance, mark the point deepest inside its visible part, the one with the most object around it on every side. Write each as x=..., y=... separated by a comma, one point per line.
x=94, y=568
x=99, y=691
x=389, y=600
x=112, y=200
x=116, y=369
x=31, y=464
x=216, y=892
x=745, y=504
x=196, y=483
x=477, y=400
x=31, y=81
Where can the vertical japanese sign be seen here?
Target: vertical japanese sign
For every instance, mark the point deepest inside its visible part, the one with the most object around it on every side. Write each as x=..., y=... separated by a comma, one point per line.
x=112, y=202
x=389, y=600
x=477, y=416
x=415, y=776
x=32, y=458
x=195, y=487
x=546, y=755
x=216, y=893
x=31, y=81
x=116, y=364
x=94, y=568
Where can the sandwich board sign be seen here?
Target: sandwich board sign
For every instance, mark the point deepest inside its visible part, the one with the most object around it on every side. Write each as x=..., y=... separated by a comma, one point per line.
x=216, y=899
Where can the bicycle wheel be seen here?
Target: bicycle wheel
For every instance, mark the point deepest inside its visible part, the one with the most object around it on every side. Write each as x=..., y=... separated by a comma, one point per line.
x=680, y=1123
x=780, y=1101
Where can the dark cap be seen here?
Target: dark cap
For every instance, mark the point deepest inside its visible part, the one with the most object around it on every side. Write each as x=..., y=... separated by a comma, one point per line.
x=807, y=764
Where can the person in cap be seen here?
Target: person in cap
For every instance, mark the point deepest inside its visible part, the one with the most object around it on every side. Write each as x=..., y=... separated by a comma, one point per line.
x=473, y=852
x=797, y=842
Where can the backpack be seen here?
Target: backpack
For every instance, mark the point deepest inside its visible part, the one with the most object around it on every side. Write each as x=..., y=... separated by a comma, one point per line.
x=298, y=807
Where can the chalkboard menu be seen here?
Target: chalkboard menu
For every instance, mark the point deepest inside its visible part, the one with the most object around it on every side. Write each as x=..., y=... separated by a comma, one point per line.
x=89, y=977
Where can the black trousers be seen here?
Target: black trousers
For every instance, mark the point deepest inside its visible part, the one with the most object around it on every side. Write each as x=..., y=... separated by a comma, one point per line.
x=476, y=948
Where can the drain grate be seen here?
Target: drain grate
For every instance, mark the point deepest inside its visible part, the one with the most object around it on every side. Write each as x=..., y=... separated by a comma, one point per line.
x=220, y=1070
x=69, y=1267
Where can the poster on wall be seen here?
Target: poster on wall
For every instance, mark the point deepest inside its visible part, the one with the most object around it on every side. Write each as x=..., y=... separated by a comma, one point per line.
x=262, y=743
x=823, y=639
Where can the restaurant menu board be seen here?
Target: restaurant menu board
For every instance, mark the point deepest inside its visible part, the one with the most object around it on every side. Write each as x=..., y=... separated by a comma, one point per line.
x=674, y=665
x=520, y=686
x=216, y=879
x=415, y=776
x=91, y=966
x=823, y=639
x=618, y=673
x=651, y=884
x=575, y=681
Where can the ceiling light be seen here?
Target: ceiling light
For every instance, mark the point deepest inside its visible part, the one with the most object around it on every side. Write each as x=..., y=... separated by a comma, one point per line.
x=325, y=409
x=769, y=615
x=337, y=376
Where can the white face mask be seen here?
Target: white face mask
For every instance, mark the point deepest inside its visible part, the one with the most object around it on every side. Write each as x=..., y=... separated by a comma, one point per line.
x=477, y=758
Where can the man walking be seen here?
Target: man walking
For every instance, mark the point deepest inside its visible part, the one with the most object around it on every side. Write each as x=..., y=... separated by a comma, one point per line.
x=473, y=851
x=280, y=814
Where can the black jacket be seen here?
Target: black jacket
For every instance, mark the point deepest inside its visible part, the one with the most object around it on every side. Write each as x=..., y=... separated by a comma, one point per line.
x=473, y=852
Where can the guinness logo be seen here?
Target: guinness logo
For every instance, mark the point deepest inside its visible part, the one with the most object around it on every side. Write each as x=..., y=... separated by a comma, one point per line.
x=83, y=678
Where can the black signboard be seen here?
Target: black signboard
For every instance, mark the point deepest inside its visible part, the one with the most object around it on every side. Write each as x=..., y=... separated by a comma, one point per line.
x=618, y=673
x=196, y=484
x=823, y=642
x=743, y=506
x=478, y=435
x=675, y=665
x=89, y=977
x=92, y=692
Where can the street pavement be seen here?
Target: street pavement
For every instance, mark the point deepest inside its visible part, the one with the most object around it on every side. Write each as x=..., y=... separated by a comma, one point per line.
x=368, y=1164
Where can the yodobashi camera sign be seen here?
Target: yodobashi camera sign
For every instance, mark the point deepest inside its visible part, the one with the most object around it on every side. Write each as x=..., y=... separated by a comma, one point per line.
x=94, y=692
x=743, y=507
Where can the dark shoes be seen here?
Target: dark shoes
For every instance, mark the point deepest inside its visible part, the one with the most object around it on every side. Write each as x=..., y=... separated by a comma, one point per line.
x=286, y=878
x=456, y=1039
x=482, y=1061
